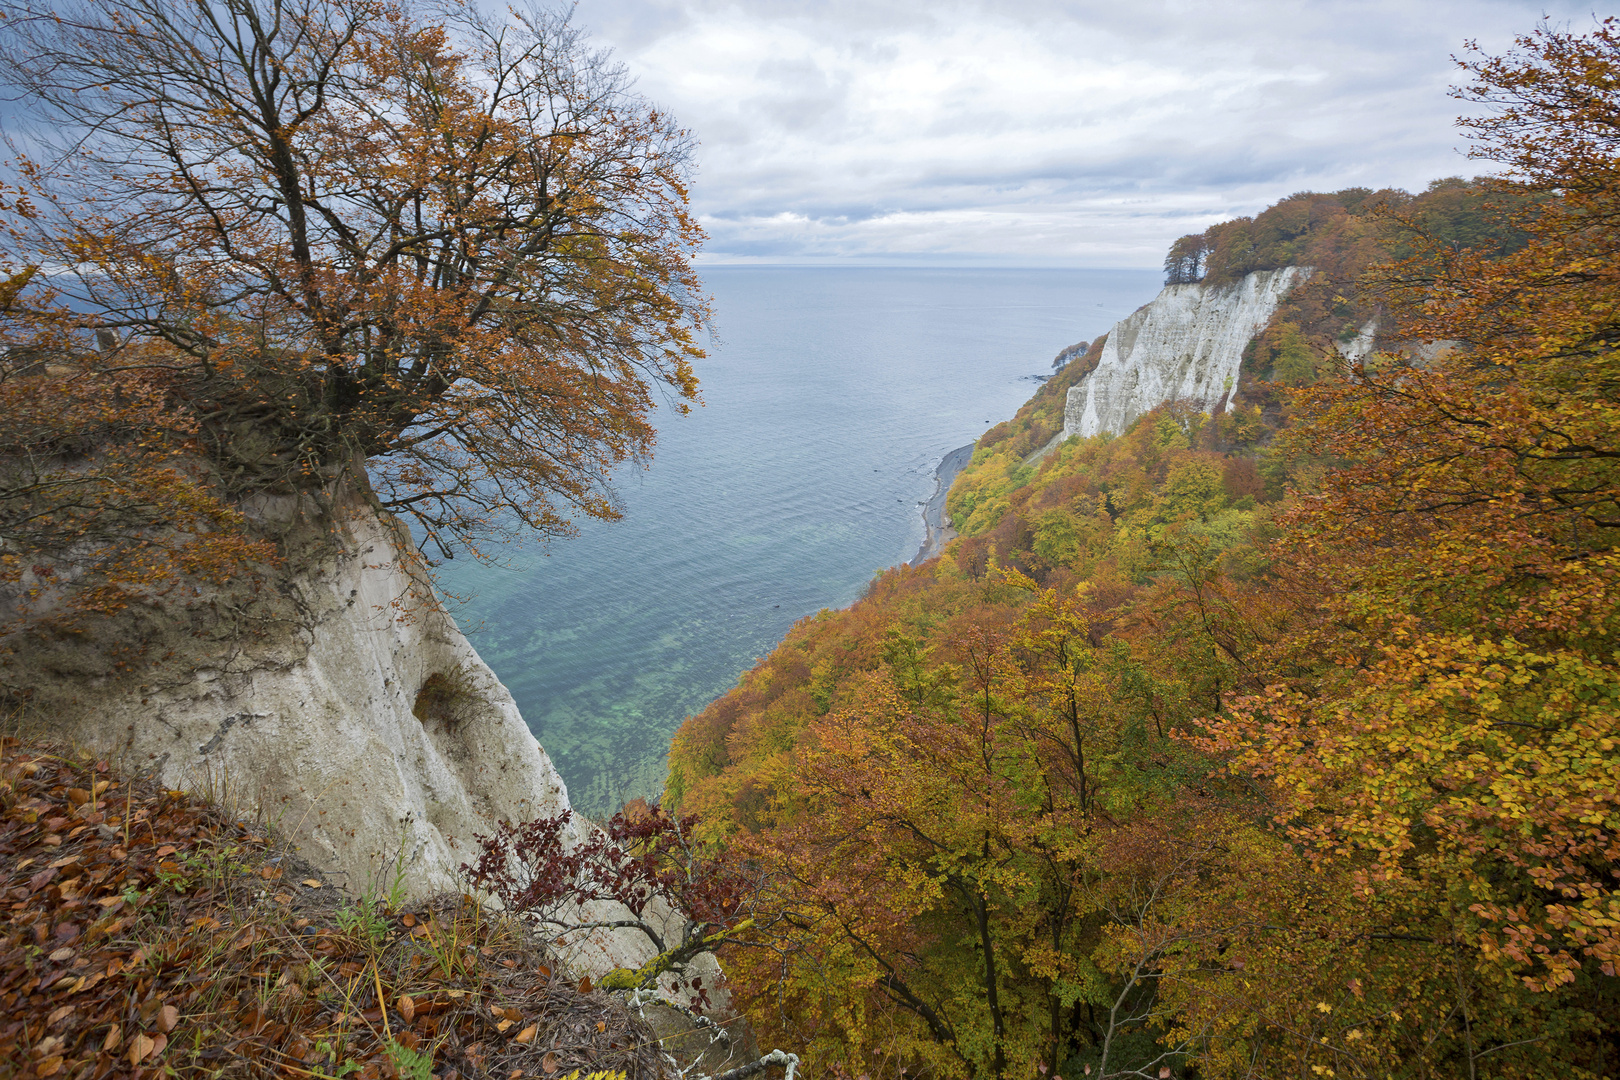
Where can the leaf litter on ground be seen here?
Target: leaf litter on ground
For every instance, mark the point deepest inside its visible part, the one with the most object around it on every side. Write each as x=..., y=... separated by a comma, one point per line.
x=144, y=933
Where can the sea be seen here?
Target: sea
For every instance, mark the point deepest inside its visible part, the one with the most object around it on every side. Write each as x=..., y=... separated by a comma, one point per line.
x=829, y=397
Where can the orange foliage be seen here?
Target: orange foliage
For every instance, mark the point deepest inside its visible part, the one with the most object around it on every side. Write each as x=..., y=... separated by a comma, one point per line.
x=454, y=246
x=1466, y=749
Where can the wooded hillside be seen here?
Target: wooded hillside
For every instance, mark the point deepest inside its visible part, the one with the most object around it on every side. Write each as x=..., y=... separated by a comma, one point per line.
x=1280, y=742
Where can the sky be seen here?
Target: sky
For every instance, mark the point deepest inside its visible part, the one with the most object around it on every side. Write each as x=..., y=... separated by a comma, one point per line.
x=1041, y=132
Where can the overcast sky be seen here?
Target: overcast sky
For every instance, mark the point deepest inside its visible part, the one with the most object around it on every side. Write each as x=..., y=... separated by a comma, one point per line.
x=1040, y=132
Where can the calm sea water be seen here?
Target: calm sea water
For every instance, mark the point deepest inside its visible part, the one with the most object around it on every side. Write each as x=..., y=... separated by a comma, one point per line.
x=831, y=395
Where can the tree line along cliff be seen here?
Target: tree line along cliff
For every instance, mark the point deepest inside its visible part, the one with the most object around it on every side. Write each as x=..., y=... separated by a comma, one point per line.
x=1281, y=739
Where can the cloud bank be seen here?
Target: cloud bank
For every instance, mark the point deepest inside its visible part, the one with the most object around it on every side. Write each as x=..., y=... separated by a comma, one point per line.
x=1044, y=132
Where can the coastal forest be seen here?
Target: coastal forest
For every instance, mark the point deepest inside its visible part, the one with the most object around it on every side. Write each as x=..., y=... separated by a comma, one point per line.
x=1281, y=740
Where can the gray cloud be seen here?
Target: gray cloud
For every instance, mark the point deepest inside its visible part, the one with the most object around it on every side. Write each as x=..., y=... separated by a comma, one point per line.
x=1078, y=133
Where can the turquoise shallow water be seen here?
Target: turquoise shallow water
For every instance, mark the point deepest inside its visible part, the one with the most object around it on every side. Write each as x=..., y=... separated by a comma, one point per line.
x=831, y=395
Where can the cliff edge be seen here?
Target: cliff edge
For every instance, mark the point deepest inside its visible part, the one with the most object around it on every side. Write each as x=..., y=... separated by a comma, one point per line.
x=339, y=700
x=1187, y=344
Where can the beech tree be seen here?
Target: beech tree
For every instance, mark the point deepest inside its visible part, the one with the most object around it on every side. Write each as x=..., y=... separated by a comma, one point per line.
x=452, y=246
x=1460, y=753
x=1184, y=265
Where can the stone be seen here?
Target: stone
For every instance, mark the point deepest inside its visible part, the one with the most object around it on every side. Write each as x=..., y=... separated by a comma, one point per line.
x=1186, y=345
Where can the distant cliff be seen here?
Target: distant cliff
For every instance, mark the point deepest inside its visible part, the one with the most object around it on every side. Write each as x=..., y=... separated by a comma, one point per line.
x=1187, y=344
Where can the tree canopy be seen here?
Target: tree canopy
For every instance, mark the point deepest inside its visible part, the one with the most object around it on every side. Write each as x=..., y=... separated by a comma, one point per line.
x=1283, y=742
x=453, y=245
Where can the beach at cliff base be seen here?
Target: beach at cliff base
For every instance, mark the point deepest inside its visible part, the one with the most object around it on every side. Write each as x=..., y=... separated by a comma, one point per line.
x=939, y=529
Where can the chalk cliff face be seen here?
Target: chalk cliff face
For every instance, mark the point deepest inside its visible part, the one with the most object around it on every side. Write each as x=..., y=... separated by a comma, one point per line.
x=335, y=699
x=361, y=723
x=1187, y=344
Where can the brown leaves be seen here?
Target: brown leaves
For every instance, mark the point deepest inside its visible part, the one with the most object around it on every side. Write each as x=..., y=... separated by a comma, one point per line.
x=302, y=332
x=120, y=972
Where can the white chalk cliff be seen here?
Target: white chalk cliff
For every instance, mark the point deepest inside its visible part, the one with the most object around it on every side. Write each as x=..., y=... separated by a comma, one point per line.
x=1187, y=344
x=338, y=702
x=313, y=723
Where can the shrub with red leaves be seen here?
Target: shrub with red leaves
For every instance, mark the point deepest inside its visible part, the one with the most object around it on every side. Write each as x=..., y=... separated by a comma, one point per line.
x=646, y=862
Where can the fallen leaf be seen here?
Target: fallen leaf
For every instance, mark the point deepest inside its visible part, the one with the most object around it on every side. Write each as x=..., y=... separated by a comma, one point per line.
x=511, y=1014
x=166, y=849
x=311, y=883
x=585, y=985
x=114, y=1037
x=549, y=1062
x=407, y=1007
x=167, y=1017
x=269, y=873
x=78, y=796
x=514, y=1074
x=58, y=1014
x=527, y=1034
x=49, y=1067
x=406, y=919
x=139, y=1047
x=503, y=1025
x=545, y=972
x=601, y=1025
x=159, y=1041
x=64, y=953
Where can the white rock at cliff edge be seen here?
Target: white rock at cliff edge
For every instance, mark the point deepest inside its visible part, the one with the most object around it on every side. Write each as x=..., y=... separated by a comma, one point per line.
x=1187, y=344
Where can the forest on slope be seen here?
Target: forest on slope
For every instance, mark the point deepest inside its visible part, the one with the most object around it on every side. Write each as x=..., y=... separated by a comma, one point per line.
x=1276, y=742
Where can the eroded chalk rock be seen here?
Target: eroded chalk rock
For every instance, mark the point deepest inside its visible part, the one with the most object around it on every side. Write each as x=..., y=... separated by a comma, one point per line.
x=347, y=708
x=1186, y=345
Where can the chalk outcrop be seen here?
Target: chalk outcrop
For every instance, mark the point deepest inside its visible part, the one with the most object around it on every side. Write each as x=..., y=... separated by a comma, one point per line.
x=350, y=712
x=332, y=697
x=1187, y=344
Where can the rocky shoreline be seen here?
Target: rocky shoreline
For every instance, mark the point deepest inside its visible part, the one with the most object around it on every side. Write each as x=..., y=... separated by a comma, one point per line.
x=938, y=526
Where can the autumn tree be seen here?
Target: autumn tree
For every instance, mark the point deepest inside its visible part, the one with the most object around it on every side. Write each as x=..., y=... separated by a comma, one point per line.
x=452, y=246
x=1458, y=754
x=1184, y=264
x=962, y=888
